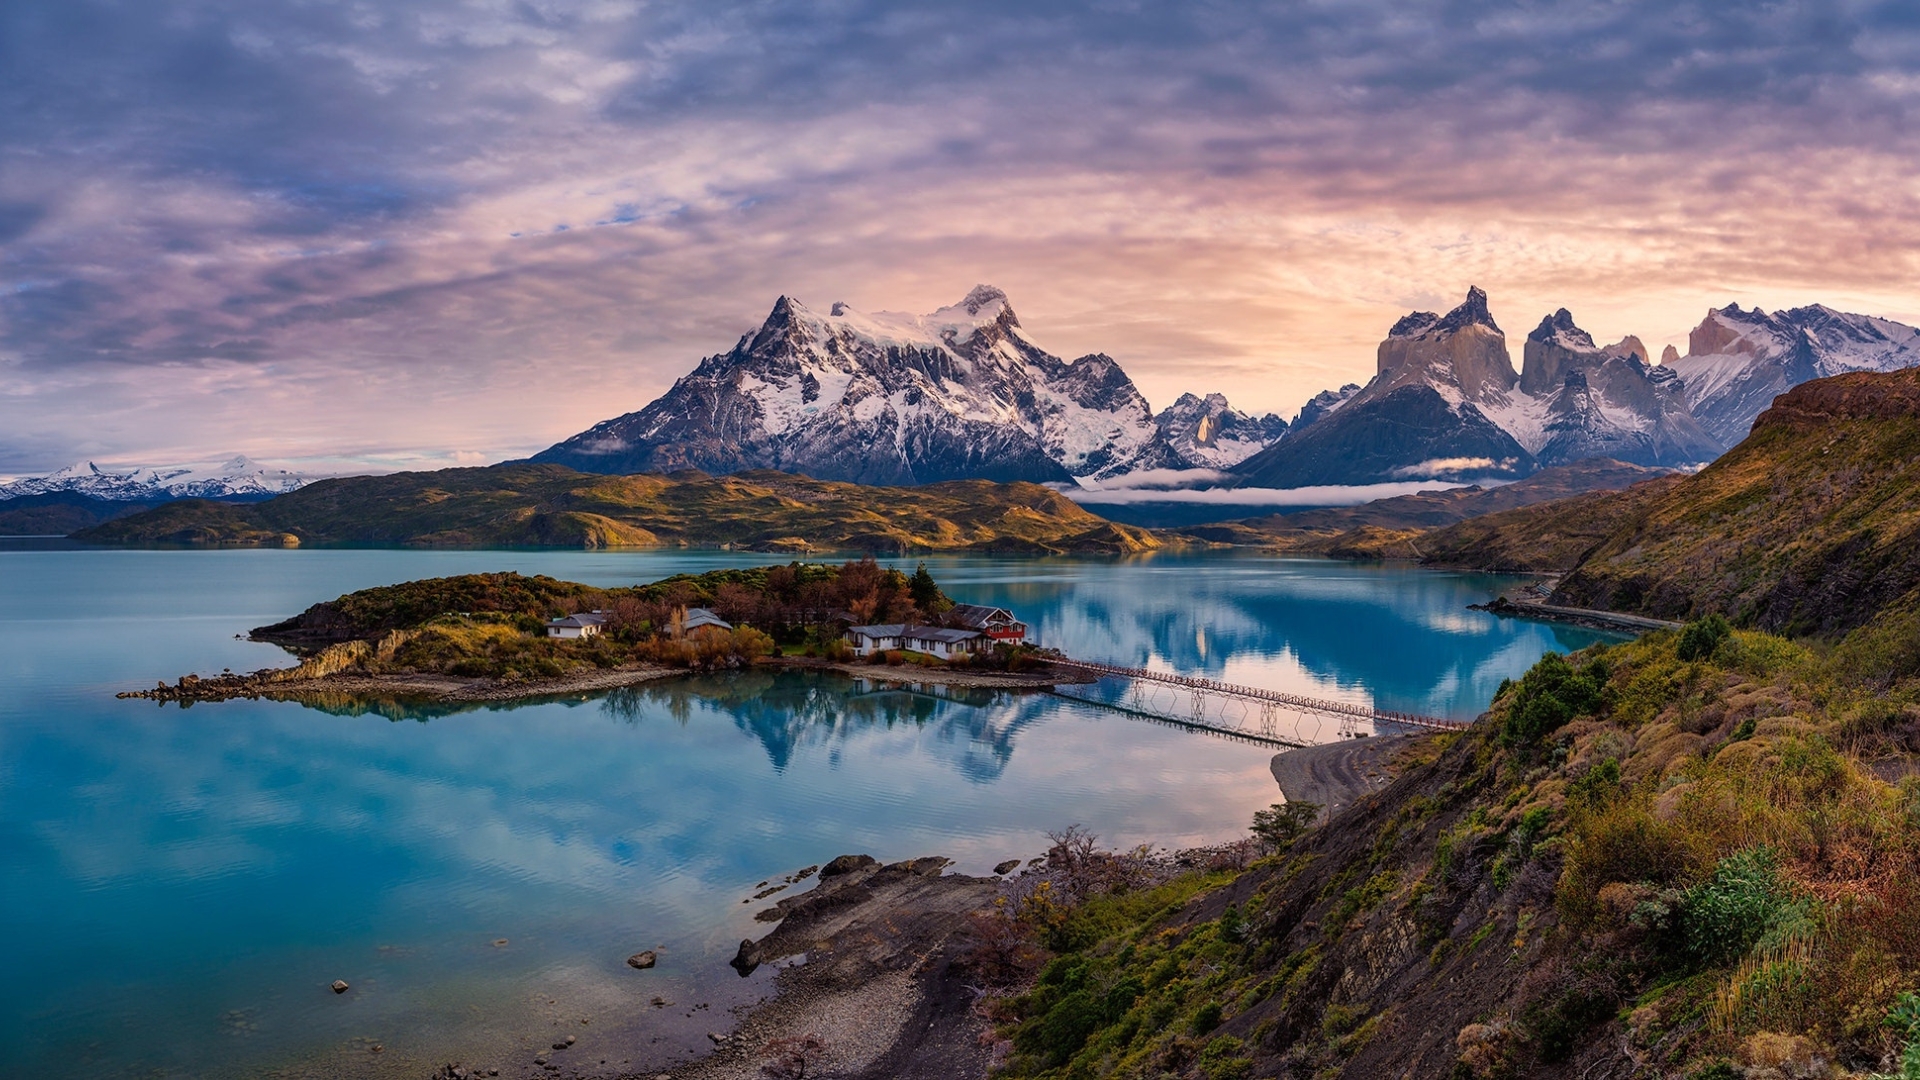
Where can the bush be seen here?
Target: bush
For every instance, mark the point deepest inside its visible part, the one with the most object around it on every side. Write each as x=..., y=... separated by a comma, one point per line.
x=1702, y=636
x=1281, y=824
x=1739, y=905
x=1551, y=694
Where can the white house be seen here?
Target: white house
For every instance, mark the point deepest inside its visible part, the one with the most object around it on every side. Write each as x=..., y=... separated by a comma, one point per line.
x=868, y=640
x=942, y=642
x=582, y=625
x=933, y=640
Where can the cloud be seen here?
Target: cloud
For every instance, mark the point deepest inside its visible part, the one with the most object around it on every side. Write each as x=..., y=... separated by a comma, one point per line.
x=432, y=223
x=1159, y=479
x=1455, y=465
x=1324, y=495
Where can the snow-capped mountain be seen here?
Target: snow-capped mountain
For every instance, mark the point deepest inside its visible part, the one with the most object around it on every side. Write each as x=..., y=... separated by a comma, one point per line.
x=884, y=398
x=1429, y=413
x=1604, y=402
x=1445, y=403
x=1738, y=361
x=236, y=479
x=1322, y=403
x=1208, y=433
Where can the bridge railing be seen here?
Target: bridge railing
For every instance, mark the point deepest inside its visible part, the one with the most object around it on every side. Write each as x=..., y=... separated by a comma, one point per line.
x=1254, y=693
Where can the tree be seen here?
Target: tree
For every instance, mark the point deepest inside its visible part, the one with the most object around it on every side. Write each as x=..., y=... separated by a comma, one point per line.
x=926, y=593
x=1281, y=824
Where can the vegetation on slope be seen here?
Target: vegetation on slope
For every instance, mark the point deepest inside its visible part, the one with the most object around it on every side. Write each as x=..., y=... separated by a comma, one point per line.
x=1545, y=538
x=1809, y=526
x=553, y=506
x=1665, y=858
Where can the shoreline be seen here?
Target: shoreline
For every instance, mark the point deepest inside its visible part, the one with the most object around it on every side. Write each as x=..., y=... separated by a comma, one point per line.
x=1591, y=618
x=284, y=684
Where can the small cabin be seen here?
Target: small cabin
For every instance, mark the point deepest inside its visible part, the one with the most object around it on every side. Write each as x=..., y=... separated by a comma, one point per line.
x=867, y=640
x=584, y=624
x=942, y=641
x=993, y=622
x=698, y=618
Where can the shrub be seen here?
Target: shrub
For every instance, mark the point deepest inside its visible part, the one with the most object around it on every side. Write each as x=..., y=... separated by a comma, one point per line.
x=1904, y=1019
x=1739, y=905
x=1280, y=825
x=1701, y=637
x=1549, y=695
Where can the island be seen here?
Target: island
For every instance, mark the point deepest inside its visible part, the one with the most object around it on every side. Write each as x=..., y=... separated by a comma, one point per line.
x=512, y=637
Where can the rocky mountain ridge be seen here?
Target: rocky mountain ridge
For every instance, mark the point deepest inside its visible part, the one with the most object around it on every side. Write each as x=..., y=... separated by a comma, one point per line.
x=239, y=478
x=885, y=398
x=1738, y=360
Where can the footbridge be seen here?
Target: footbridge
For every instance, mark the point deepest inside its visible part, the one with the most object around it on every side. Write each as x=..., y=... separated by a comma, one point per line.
x=1250, y=712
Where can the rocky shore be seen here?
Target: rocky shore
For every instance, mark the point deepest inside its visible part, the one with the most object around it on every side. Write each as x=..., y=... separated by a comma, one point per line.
x=291, y=684
x=294, y=684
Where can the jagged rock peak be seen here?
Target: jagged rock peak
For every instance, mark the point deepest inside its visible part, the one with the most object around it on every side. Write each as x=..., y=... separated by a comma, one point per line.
x=1471, y=312
x=1668, y=355
x=1414, y=324
x=1559, y=327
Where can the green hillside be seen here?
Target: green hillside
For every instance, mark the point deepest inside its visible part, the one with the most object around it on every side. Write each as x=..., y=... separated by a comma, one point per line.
x=523, y=505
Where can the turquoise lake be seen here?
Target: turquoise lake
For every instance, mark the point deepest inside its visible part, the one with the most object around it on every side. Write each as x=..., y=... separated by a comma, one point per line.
x=180, y=886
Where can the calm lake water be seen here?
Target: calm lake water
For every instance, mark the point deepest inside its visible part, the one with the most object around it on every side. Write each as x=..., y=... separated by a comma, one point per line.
x=179, y=886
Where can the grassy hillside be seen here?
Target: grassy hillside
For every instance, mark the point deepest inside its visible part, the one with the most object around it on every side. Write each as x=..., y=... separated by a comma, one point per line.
x=1672, y=858
x=553, y=506
x=1549, y=537
x=1808, y=526
x=59, y=513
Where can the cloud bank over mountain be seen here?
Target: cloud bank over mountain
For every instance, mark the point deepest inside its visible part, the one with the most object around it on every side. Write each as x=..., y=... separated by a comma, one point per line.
x=401, y=232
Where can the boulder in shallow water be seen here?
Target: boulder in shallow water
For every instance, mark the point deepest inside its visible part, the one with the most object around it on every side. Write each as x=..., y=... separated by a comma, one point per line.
x=642, y=960
x=340, y=986
x=847, y=864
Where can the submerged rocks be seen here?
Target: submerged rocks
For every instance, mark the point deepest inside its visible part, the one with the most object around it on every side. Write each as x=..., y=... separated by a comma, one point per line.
x=641, y=961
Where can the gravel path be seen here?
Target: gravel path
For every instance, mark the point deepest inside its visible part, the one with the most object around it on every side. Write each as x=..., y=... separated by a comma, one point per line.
x=1335, y=774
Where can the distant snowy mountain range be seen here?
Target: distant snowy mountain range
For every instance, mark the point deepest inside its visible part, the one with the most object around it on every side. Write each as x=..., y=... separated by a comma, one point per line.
x=885, y=398
x=965, y=393
x=239, y=478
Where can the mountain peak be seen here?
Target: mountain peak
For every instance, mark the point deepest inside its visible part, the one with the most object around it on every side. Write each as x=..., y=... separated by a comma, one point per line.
x=983, y=296
x=1560, y=328
x=1471, y=312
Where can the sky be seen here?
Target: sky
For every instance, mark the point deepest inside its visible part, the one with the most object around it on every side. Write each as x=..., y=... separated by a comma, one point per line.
x=416, y=233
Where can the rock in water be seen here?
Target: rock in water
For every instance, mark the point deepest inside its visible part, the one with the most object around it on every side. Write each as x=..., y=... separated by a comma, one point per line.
x=642, y=960
x=339, y=986
x=1010, y=864
x=847, y=864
